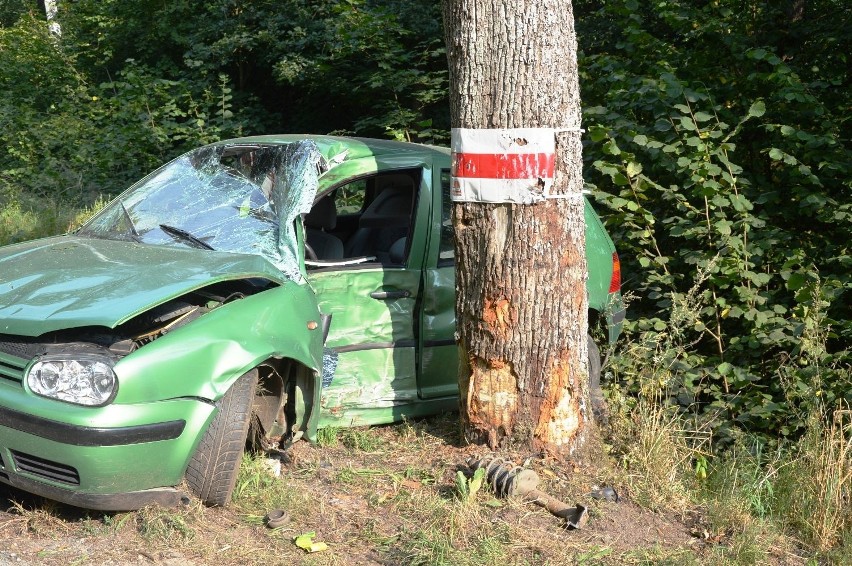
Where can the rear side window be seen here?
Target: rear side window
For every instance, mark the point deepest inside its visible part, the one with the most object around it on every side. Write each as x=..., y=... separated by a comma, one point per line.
x=446, y=253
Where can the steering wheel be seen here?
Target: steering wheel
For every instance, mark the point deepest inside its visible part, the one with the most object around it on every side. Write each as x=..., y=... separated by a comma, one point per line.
x=310, y=253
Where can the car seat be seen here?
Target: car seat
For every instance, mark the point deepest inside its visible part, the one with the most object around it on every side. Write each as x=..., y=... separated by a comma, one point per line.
x=321, y=218
x=385, y=220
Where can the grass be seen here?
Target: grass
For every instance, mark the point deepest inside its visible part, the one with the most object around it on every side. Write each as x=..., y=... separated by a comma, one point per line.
x=397, y=503
x=23, y=219
x=169, y=525
x=760, y=505
x=815, y=489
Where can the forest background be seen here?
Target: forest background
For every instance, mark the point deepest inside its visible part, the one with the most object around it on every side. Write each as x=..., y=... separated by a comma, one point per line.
x=716, y=150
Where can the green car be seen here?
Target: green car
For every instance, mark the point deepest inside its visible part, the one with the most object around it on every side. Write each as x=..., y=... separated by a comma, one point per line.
x=255, y=289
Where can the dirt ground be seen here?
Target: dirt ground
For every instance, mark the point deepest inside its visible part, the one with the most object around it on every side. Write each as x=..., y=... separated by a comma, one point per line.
x=364, y=503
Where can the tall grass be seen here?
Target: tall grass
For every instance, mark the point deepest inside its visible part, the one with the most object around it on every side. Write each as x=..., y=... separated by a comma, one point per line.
x=23, y=219
x=815, y=489
x=658, y=440
x=763, y=497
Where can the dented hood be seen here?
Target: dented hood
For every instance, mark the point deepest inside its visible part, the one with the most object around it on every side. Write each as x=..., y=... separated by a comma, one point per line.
x=73, y=281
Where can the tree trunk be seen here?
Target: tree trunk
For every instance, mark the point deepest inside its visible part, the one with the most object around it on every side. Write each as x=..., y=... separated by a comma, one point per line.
x=52, y=22
x=521, y=306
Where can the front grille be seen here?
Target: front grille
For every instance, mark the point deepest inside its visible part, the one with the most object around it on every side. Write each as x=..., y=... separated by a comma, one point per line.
x=21, y=346
x=45, y=468
x=12, y=367
x=15, y=353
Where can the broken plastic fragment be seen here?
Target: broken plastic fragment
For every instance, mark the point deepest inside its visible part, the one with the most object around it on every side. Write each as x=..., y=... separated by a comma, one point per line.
x=605, y=493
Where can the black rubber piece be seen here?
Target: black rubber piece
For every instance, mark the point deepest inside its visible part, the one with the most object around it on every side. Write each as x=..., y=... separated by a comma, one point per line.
x=212, y=470
x=599, y=408
x=276, y=519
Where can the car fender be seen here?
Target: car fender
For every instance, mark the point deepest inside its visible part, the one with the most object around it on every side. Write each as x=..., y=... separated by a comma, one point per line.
x=203, y=358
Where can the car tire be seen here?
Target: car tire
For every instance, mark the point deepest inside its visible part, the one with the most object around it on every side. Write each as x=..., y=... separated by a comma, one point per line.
x=212, y=470
x=595, y=391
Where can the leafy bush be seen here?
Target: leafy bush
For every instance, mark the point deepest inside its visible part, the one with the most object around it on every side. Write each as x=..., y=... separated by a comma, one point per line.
x=65, y=138
x=716, y=151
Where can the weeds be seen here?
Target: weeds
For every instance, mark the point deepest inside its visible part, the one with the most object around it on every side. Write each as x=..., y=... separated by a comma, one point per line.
x=106, y=525
x=360, y=439
x=257, y=491
x=327, y=437
x=168, y=525
x=40, y=520
x=662, y=448
x=743, y=479
x=467, y=488
x=815, y=491
x=23, y=220
x=660, y=459
x=756, y=493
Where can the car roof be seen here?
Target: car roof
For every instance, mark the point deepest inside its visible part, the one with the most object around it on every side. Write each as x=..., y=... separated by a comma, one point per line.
x=355, y=147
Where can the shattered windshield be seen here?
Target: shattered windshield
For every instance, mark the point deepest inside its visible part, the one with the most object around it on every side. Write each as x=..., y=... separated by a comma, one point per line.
x=231, y=198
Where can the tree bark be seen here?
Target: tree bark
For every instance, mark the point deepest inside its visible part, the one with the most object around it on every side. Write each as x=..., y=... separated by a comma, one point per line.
x=52, y=22
x=521, y=304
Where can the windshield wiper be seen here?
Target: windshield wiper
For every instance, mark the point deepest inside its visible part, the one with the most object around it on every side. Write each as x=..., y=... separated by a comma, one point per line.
x=185, y=236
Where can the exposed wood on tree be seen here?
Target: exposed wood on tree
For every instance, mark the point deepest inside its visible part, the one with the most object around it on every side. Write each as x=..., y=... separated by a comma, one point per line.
x=521, y=269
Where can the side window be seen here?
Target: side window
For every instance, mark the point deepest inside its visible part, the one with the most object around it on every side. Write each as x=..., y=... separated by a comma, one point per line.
x=367, y=219
x=446, y=253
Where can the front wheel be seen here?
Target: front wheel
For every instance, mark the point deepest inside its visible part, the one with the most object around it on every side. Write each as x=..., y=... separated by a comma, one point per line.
x=212, y=471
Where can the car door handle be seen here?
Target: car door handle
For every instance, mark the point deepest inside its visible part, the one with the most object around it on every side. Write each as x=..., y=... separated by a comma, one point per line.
x=387, y=295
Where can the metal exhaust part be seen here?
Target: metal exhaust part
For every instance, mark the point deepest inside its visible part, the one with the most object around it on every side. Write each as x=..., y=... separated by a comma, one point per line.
x=510, y=480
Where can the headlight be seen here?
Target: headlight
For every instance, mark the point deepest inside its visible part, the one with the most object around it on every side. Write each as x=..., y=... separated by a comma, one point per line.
x=81, y=379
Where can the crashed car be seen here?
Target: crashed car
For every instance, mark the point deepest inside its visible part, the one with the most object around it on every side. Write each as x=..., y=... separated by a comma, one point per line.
x=255, y=289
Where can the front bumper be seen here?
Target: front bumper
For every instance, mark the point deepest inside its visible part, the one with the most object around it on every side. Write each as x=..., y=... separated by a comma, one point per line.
x=132, y=500
x=128, y=464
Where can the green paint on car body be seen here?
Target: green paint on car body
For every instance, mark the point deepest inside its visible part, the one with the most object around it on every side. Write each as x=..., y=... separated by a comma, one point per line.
x=72, y=281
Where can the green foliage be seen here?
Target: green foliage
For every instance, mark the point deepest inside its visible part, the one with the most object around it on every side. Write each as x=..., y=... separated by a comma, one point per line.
x=371, y=68
x=22, y=220
x=718, y=146
x=35, y=73
x=64, y=137
x=468, y=487
x=12, y=10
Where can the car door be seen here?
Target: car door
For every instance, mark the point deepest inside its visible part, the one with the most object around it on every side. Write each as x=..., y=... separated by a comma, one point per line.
x=438, y=375
x=371, y=292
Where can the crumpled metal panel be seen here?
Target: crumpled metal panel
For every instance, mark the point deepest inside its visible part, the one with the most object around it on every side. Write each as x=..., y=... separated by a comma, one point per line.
x=357, y=318
x=369, y=386
x=372, y=341
x=203, y=358
x=71, y=281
